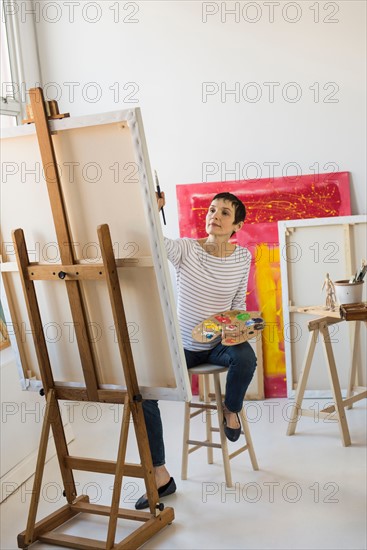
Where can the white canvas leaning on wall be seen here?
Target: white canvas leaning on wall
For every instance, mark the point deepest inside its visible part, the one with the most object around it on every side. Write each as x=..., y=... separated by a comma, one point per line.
x=106, y=178
x=308, y=250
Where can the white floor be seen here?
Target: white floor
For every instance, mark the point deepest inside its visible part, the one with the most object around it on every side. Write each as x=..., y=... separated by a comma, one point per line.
x=310, y=492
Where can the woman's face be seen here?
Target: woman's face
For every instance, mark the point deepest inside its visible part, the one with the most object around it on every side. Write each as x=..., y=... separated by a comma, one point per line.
x=220, y=219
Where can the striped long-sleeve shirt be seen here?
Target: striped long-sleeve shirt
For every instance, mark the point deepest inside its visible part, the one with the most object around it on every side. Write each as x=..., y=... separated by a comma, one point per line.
x=206, y=285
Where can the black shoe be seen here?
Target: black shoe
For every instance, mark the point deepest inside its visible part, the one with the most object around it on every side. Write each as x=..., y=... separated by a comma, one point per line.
x=232, y=433
x=163, y=491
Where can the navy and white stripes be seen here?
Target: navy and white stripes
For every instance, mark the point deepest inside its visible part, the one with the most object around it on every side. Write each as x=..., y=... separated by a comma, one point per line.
x=206, y=284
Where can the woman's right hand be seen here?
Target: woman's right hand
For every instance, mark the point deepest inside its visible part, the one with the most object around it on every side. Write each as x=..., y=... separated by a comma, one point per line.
x=161, y=201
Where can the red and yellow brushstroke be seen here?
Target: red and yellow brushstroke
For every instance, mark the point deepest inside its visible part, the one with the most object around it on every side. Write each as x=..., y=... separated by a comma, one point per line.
x=267, y=202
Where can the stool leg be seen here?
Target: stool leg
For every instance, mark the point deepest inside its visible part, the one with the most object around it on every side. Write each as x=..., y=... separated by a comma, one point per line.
x=200, y=386
x=208, y=418
x=223, y=439
x=250, y=447
x=185, y=445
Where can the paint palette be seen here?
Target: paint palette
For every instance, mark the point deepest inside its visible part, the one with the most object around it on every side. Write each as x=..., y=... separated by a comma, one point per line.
x=234, y=326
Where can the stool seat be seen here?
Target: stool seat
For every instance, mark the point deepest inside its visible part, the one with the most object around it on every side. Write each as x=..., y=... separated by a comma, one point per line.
x=213, y=402
x=207, y=368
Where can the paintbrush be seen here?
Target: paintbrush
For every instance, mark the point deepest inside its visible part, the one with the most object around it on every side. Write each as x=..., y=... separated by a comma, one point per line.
x=159, y=195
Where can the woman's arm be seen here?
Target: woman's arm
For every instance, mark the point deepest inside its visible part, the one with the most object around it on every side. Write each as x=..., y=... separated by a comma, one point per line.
x=239, y=300
x=175, y=248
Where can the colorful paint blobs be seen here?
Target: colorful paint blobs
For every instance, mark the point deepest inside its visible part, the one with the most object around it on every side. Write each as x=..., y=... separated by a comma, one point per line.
x=243, y=316
x=250, y=322
x=267, y=201
x=210, y=326
x=210, y=329
x=230, y=341
x=223, y=318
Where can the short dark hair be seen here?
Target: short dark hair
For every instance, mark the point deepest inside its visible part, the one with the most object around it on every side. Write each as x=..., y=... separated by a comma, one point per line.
x=239, y=207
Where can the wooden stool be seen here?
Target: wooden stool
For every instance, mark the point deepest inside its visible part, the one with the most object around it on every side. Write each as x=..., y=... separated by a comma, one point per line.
x=208, y=407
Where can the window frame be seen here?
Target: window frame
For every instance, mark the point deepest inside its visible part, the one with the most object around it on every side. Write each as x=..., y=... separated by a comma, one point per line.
x=17, y=43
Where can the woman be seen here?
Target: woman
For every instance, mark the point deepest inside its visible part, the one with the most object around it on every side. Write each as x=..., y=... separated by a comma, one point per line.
x=212, y=276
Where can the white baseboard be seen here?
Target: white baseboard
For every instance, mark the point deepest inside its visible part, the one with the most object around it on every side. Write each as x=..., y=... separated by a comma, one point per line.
x=14, y=478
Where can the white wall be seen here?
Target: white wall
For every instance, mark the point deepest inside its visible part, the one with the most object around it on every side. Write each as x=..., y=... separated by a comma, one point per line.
x=21, y=423
x=164, y=58
x=21, y=418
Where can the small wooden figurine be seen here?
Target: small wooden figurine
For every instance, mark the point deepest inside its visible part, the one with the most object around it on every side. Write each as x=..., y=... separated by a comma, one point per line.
x=330, y=293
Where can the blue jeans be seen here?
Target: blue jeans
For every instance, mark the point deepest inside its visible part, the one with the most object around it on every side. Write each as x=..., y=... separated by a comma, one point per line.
x=241, y=363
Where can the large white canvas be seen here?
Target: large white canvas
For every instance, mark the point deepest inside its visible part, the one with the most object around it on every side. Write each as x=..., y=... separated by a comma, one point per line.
x=106, y=178
x=310, y=249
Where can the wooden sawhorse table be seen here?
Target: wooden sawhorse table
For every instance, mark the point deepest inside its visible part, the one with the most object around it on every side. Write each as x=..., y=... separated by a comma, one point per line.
x=354, y=392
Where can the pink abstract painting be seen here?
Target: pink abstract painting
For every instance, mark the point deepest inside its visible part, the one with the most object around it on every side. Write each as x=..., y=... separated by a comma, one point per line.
x=267, y=202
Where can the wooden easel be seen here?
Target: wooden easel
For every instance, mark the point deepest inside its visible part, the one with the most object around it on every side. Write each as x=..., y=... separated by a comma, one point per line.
x=72, y=274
